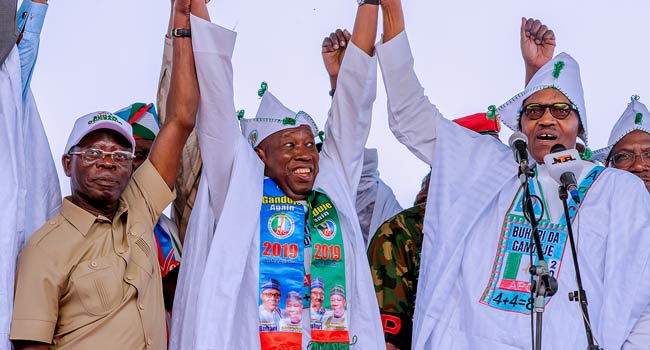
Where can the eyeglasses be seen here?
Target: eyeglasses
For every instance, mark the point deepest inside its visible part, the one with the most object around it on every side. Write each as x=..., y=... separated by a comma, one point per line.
x=271, y=295
x=627, y=159
x=94, y=155
x=534, y=111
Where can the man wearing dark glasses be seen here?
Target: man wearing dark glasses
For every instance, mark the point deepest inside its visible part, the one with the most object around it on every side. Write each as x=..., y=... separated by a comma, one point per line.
x=477, y=246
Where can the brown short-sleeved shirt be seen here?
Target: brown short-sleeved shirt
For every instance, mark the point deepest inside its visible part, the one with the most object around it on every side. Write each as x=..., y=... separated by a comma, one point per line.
x=84, y=282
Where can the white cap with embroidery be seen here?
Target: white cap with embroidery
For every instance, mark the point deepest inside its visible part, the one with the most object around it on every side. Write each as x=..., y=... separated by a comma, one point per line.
x=561, y=73
x=635, y=117
x=272, y=116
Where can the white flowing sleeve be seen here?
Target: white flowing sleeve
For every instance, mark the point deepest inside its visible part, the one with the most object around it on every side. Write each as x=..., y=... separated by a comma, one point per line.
x=348, y=123
x=411, y=117
x=217, y=125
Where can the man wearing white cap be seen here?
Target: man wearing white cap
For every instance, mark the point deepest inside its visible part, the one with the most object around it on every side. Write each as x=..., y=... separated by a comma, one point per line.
x=89, y=278
x=629, y=142
x=269, y=206
x=477, y=244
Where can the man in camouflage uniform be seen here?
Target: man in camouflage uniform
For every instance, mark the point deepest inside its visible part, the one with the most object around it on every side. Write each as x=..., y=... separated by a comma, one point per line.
x=394, y=255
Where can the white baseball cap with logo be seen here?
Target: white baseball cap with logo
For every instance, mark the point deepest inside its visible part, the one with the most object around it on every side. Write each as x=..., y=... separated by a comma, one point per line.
x=99, y=121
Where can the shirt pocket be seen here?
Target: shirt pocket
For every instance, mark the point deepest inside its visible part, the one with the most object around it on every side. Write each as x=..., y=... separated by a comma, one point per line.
x=98, y=284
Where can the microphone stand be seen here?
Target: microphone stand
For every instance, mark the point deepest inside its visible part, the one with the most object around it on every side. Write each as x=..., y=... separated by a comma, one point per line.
x=546, y=285
x=580, y=295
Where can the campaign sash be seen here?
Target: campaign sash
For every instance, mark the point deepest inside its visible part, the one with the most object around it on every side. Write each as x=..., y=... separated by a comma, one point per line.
x=509, y=284
x=284, y=282
x=328, y=263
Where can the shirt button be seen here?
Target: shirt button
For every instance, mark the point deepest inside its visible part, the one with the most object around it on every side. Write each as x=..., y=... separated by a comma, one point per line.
x=132, y=233
x=122, y=251
x=130, y=278
x=149, y=341
x=141, y=306
x=52, y=222
x=93, y=264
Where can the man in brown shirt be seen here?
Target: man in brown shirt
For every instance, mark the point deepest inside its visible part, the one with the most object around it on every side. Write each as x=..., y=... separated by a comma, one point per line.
x=89, y=279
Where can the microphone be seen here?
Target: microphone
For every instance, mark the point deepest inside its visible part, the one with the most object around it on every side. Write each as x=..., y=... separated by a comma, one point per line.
x=519, y=144
x=563, y=164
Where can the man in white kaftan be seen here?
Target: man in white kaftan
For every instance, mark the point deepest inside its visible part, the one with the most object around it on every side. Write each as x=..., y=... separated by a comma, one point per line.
x=474, y=181
x=216, y=305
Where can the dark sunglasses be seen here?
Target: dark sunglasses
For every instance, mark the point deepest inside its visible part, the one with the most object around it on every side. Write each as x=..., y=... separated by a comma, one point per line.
x=534, y=111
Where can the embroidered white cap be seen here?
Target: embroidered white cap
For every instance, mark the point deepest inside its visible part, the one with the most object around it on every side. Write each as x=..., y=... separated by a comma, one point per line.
x=635, y=117
x=272, y=116
x=98, y=121
x=561, y=73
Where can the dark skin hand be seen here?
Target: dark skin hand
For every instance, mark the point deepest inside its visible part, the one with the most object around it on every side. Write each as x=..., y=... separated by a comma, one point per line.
x=291, y=160
x=537, y=45
x=333, y=51
x=183, y=100
x=334, y=46
x=97, y=187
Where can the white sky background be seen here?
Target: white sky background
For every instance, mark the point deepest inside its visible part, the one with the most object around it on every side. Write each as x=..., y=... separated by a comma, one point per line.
x=106, y=54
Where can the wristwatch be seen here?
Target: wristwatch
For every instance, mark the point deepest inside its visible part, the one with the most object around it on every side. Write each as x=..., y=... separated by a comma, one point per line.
x=371, y=2
x=182, y=32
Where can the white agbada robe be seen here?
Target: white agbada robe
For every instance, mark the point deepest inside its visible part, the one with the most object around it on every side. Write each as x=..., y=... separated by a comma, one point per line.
x=216, y=305
x=30, y=192
x=472, y=185
x=376, y=201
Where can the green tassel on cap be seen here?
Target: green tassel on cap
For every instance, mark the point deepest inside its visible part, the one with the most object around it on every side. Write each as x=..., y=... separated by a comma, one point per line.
x=321, y=136
x=638, y=119
x=558, y=69
x=240, y=114
x=635, y=98
x=263, y=87
x=587, y=154
x=289, y=121
x=492, y=112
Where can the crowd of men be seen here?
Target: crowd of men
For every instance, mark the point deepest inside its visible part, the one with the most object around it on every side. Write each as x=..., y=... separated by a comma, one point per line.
x=283, y=236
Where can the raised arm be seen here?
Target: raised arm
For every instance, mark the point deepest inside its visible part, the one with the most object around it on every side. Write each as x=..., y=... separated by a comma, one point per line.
x=537, y=45
x=217, y=126
x=182, y=102
x=348, y=124
x=412, y=118
x=189, y=173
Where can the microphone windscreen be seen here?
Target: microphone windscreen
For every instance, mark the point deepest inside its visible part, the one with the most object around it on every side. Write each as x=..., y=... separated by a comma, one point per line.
x=558, y=148
x=561, y=162
x=517, y=136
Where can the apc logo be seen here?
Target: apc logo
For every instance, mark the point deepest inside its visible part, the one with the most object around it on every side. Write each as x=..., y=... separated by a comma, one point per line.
x=252, y=137
x=563, y=159
x=281, y=225
x=327, y=230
